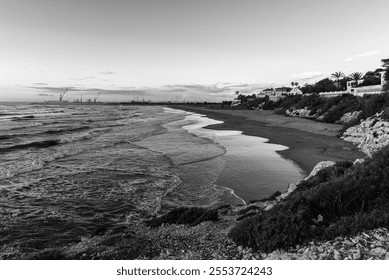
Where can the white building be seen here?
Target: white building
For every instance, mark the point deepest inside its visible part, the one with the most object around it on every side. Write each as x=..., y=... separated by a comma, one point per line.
x=360, y=91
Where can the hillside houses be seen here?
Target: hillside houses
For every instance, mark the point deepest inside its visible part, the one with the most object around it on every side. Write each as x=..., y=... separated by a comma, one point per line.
x=354, y=88
x=276, y=94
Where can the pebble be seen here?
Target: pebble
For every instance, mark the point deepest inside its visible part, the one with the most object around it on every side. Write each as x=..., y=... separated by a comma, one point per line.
x=348, y=242
x=357, y=255
x=337, y=255
x=378, y=251
x=324, y=256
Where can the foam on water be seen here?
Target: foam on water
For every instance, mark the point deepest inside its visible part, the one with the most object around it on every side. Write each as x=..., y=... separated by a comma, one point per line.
x=112, y=166
x=253, y=168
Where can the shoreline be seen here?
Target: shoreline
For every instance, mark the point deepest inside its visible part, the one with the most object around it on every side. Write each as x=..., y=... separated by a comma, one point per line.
x=250, y=175
x=308, y=141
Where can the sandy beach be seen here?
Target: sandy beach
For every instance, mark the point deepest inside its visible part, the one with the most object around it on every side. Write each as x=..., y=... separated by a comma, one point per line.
x=309, y=141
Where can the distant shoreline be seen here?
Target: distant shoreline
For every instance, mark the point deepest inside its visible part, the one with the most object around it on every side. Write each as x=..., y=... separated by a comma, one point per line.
x=309, y=142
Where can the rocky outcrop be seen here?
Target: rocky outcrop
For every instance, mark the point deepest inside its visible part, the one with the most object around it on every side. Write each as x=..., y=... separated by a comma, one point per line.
x=321, y=165
x=348, y=117
x=370, y=135
x=302, y=113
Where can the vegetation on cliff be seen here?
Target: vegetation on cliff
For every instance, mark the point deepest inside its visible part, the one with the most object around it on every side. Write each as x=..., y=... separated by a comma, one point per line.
x=340, y=200
x=332, y=109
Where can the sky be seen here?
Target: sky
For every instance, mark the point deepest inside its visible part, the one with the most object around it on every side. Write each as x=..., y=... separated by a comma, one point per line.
x=192, y=50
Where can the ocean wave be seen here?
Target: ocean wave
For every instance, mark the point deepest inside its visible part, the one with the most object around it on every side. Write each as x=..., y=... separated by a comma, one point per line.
x=35, y=144
x=5, y=137
x=23, y=118
x=65, y=130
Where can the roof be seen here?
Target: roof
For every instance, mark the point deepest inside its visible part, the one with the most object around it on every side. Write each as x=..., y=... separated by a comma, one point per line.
x=283, y=88
x=268, y=89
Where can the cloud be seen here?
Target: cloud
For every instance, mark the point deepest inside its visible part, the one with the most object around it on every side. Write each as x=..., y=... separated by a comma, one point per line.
x=375, y=52
x=40, y=84
x=123, y=91
x=52, y=88
x=172, y=89
x=307, y=76
x=213, y=88
x=45, y=94
x=84, y=78
x=106, y=73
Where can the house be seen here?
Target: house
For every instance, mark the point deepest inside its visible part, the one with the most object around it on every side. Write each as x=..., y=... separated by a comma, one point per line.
x=351, y=84
x=360, y=91
x=268, y=92
x=282, y=91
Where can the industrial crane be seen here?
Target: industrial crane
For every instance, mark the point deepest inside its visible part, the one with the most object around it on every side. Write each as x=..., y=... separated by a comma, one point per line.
x=95, y=99
x=61, y=95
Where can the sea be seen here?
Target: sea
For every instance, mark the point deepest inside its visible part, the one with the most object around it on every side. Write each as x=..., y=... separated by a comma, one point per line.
x=68, y=170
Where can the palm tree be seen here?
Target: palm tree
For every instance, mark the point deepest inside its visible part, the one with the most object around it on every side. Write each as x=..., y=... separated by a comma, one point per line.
x=337, y=76
x=356, y=76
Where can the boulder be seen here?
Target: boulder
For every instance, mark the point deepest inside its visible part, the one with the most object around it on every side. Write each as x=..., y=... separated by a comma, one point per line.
x=378, y=252
x=359, y=161
x=370, y=135
x=349, y=117
x=291, y=188
x=321, y=165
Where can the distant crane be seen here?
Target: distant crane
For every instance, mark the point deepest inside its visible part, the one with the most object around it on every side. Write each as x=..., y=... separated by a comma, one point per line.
x=95, y=99
x=61, y=95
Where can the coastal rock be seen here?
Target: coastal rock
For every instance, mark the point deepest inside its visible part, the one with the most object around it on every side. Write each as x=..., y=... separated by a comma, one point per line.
x=379, y=252
x=321, y=165
x=357, y=255
x=359, y=161
x=370, y=135
x=291, y=188
x=349, y=117
x=302, y=113
x=337, y=255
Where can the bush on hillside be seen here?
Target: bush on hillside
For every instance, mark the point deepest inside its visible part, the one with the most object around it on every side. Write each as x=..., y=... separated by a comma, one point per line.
x=325, y=175
x=330, y=110
x=349, y=124
x=348, y=198
x=373, y=104
x=185, y=215
x=385, y=114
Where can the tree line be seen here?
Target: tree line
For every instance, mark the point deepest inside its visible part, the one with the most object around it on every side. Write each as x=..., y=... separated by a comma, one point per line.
x=338, y=80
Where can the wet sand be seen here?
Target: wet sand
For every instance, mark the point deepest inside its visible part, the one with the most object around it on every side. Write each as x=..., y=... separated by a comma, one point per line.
x=309, y=142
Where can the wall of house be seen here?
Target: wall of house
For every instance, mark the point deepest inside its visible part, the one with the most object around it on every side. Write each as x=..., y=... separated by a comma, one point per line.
x=332, y=93
x=377, y=89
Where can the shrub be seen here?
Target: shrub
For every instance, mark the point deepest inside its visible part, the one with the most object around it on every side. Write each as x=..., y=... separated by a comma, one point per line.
x=385, y=114
x=325, y=175
x=268, y=105
x=333, y=115
x=185, y=215
x=348, y=197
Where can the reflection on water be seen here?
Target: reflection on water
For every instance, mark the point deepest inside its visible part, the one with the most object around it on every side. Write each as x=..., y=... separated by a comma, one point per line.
x=253, y=168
